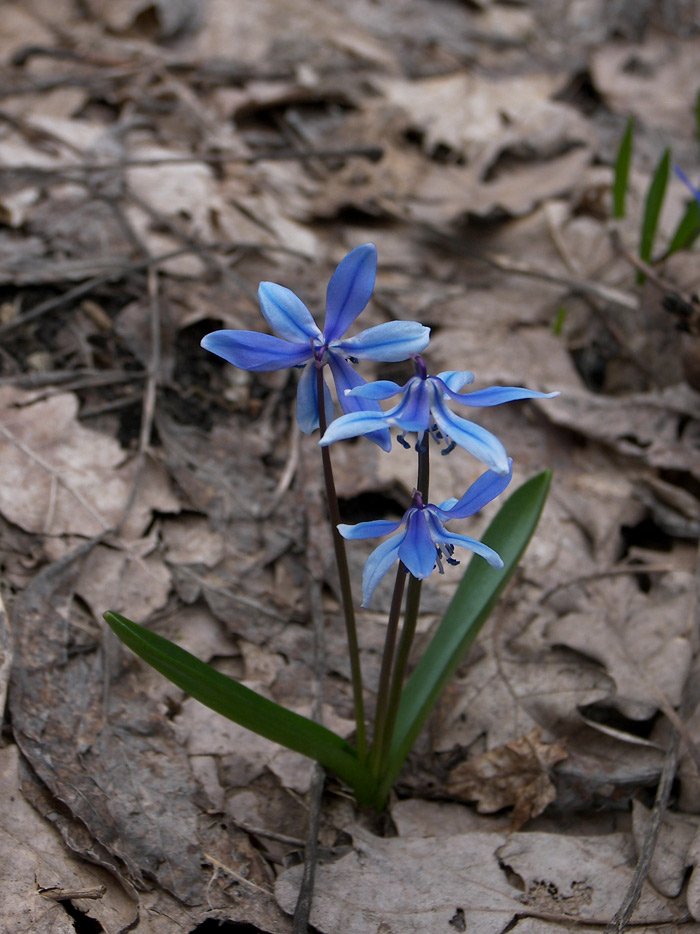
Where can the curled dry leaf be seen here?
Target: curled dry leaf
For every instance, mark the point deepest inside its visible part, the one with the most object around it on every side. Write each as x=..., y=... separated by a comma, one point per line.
x=515, y=775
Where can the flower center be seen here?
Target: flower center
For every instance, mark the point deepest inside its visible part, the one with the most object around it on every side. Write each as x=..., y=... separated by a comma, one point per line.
x=319, y=351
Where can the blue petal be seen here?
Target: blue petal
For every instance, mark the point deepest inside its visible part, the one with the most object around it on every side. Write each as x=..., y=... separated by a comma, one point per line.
x=307, y=401
x=286, y=313
x=374, y=529
x=417, y=550
x=390, y=342
x=441, y=537
x=378, y=564
x=250, y=350
x=353, y=425
x=413, y=412
x=349, y=290
x=463, y=541
x=456, y=379
x=473, y=438
x=379, y=389
x=487, y=487
x=496, y=395
x=347, y=380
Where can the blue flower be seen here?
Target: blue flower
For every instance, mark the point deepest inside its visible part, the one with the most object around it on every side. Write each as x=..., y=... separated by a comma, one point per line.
x=422, y=409
x=301, y=342
x=424, y=540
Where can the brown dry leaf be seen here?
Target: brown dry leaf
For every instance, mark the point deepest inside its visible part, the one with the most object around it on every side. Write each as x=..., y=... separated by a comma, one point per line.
x=651, y=80
x=515, y=775
x=658, y=428
x=641, y=639
x=62, y=479
x=486, y=879
x=37, y=870
x=670, y=858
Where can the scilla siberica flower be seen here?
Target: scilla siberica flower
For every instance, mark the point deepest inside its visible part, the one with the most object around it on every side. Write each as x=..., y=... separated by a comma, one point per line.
x=301, y=342
x=424, y=540
x=422, y=409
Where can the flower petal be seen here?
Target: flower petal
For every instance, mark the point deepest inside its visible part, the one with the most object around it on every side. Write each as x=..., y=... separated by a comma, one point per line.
x=456, y=379
x=250, y=350
x=496, y=395
x=349, y=290
x=346, y=381
x=286, y=313
x=390, y=342
x=379, y=389
x=352, y=425
x=487, y=487
x=412, y=413
x=378, y=564
x=307, y=401
x=473, y=438
x=417, y=550
x=374, y=529
x=463, y=541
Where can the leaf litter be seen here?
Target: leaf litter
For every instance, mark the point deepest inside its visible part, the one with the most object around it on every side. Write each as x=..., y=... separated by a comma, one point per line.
x=156, y=162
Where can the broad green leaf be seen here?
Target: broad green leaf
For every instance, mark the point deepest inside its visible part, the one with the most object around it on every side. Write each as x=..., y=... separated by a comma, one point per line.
x=622, y=171
x=476, y=595
x=243, y=706
x=652, y=207
x=687, y=231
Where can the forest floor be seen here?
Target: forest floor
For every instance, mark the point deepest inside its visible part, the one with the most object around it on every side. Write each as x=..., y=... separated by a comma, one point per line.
x=157, y=161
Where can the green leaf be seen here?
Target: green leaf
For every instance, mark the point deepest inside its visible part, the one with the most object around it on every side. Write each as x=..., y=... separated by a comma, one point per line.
x=476, y=595
x=687, y=231
x=243, y=706
x=652, y=207
x=622, y=171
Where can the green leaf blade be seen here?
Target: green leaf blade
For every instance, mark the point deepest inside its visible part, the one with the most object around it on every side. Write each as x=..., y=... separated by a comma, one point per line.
x=244, y=706
x=687, y=231
x=652, y=206
x=476, y=595
x=622, y=171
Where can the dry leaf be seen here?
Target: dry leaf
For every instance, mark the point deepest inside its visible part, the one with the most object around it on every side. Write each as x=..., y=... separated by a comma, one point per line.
x=37, y=870
x=487, y=879
x=515, y=775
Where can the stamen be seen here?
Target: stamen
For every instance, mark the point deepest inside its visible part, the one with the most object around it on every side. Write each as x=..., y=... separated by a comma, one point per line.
x=402, y=441
x=450, y=447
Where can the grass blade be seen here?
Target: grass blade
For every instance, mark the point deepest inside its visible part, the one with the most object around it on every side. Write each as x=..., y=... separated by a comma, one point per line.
x=243, y=706
x=652, y=207
x=478, y=591
x=687, y=231
x=622, y=171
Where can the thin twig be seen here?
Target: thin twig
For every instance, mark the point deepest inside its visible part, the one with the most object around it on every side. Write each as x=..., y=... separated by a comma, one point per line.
x=302, y=910
x=582, y=286
x=373, y=153
x=220, y=867
x=149, y=396
x=622, y=916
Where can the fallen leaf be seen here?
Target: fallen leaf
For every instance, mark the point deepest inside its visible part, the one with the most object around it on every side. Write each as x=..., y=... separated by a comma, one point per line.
x=411, y=885
x=516, y=775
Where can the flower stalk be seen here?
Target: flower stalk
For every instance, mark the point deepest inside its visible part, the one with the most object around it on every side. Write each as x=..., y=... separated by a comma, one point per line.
x=341, y=560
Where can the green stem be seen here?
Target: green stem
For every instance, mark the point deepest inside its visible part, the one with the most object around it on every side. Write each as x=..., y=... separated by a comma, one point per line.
x=410, y=620
x=341, y=561
x=387, y=664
